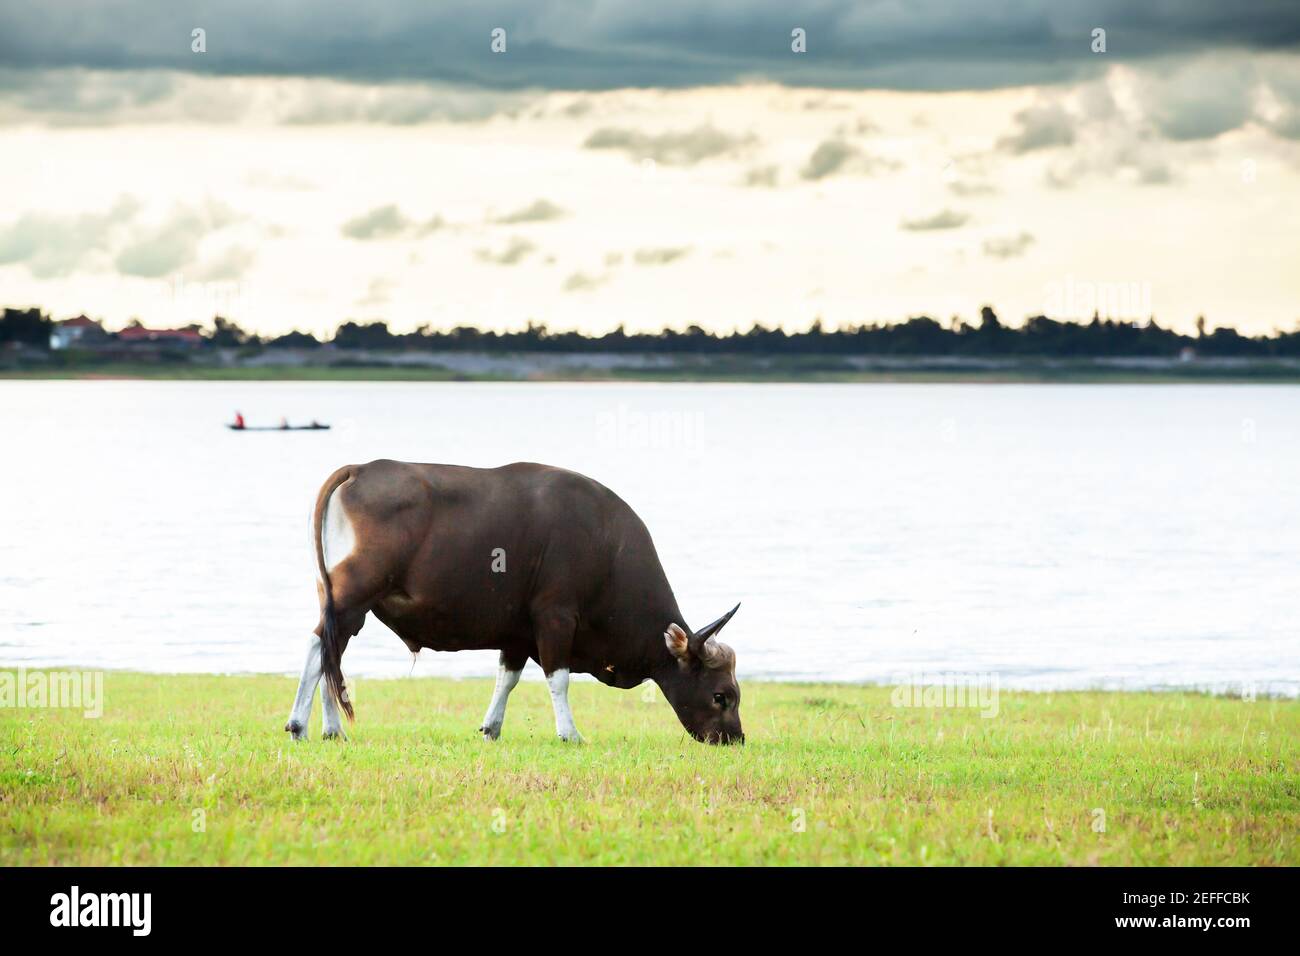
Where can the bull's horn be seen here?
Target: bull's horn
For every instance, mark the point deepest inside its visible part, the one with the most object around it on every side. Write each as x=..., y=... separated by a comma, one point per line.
x=704, y=645
x=706, y=632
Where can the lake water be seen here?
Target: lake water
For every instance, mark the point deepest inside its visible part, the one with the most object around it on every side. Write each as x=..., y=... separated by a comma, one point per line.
x=1059, y=536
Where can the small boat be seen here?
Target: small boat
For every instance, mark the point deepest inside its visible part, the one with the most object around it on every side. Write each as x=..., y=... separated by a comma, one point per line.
x=313, y=427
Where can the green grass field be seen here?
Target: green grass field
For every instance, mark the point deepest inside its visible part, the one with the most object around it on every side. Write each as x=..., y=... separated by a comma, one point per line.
x=196, y=770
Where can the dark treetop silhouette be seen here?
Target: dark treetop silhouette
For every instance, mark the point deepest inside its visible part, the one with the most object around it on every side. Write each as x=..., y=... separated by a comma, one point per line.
x=920, y=335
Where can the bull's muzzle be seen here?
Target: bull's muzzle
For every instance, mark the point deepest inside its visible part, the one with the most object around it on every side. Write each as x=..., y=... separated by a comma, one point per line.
x=717, y=737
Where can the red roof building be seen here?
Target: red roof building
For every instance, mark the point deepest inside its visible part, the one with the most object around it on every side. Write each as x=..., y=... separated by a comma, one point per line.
x=138, y=333
x=78, y=332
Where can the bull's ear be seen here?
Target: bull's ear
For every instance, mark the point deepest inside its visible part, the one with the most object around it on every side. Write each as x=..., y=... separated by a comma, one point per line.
x=677, y=641
x=710, y=630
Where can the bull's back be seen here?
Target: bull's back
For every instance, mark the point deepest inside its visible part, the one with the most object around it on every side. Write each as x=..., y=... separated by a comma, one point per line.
x=467, y=552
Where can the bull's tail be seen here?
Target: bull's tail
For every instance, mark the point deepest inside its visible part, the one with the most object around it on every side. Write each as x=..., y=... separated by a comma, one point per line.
x=330, y=645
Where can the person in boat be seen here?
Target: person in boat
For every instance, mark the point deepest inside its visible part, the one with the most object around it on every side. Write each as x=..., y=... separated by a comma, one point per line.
x=284, y=424
x=239, y=420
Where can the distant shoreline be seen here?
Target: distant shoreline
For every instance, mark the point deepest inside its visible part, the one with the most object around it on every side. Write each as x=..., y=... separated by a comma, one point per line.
x=335, y=366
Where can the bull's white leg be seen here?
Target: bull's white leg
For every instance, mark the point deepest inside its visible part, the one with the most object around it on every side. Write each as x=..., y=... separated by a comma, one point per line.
x=331, y=721
x=558, y=681
x=301, y=713
x=496, y=712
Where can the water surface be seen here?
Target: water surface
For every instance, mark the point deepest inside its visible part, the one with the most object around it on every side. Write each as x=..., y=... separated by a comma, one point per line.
x=1062, y=536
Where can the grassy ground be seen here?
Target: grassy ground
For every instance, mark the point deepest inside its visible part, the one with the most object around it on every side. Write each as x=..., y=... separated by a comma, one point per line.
x=196, y=770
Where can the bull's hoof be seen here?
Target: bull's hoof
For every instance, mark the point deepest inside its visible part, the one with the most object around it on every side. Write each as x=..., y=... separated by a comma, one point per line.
x=296, y=730
x=489, y=732
x=331, y=735
x=574, y=738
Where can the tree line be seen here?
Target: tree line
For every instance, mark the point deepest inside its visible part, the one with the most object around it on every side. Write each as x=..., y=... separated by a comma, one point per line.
x=920, y=335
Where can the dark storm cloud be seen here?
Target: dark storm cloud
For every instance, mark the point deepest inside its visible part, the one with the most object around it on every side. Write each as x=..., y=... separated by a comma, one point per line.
x=927, y=44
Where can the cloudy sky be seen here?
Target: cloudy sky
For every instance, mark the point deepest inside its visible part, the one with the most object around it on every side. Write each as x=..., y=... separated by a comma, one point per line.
x=649, y=164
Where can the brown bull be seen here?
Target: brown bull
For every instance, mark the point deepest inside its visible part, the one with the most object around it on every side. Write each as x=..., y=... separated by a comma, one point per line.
x=533, y=561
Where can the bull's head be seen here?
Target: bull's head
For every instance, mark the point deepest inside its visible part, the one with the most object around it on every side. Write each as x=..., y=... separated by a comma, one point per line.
x=703, y=689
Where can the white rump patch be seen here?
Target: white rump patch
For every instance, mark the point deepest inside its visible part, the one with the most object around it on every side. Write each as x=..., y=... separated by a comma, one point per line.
x=338, y=537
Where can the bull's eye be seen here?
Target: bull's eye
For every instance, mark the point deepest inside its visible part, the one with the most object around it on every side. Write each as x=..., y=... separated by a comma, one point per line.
x=720, y=700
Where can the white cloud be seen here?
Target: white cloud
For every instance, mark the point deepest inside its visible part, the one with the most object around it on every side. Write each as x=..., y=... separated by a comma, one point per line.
x=581, y=282
x=943, y=219
x=388, y=222
x=1199, y=100
x=1008, y=247
x=835, y=156
x=659, y=257
x=680, y=148
x=161, y=249
x=760, y=249
x=1041, y=126
x=828, y=158
x=513, y=253
x=378, y=292
x=54, y=245
x=971, y=187
x=230, y=263
x=541, y=210
x=58, y=245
